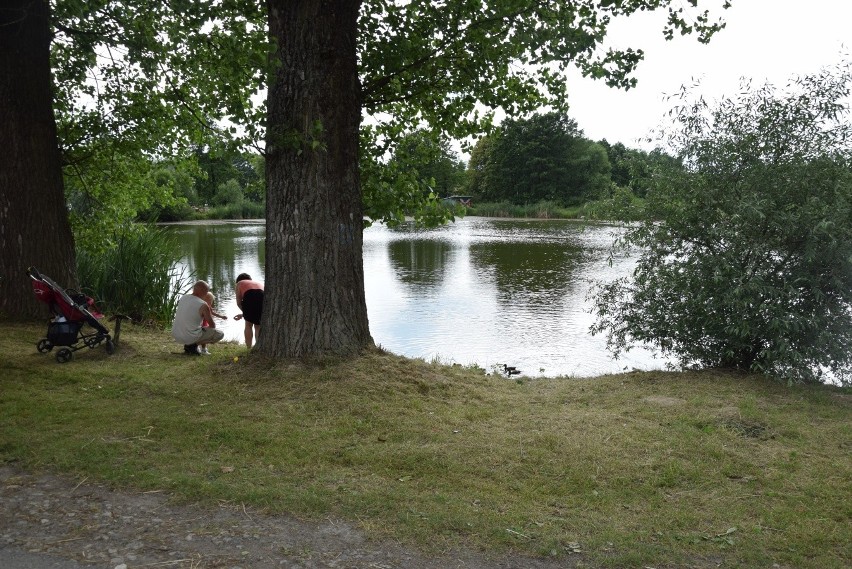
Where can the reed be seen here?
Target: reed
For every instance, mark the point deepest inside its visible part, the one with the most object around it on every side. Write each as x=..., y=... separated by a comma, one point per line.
x=137, y=276
x=242, y=210
x=540, y=210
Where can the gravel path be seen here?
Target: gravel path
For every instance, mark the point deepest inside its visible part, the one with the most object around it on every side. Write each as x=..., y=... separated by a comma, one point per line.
x=53, y=522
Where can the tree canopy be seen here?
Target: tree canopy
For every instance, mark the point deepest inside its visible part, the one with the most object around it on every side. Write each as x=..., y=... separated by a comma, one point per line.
x=746, y=258
x=140, y=82
x=452, y=65
x=541, y=158
x=138, y=78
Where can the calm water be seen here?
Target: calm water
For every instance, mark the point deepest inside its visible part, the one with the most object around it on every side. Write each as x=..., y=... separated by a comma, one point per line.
x=479, y=291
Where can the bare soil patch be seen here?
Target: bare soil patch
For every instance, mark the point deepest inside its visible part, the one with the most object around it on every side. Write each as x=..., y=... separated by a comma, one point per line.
x=97, y=526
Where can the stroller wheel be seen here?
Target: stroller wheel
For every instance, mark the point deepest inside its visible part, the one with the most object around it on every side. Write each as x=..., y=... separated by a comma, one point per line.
x=44, y=346
x=64, y=355
x=110, y=347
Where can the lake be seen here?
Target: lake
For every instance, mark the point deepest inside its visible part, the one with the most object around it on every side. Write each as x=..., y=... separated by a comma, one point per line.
x=479, y=291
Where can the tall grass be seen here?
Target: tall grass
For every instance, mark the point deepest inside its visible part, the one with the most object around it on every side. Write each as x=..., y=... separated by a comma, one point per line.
x=241, y=210
x=137, y=276
x=540, y=210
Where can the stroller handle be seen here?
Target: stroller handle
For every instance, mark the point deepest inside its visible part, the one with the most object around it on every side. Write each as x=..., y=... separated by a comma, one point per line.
x=33, y=272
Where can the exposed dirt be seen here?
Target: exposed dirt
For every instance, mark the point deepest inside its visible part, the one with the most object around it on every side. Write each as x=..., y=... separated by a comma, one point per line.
x=98, y=527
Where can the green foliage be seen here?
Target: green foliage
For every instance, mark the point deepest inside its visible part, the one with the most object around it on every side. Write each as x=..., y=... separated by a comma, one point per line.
x=429, y=155
x=156, y=74
x=220, y=165
x=451, y=66
x=228, y=193
x=240, y=210
x=176, y=185
x=631, y=168
x=422, y=169
x=540, y=210
x=138, y=82
x=111, y=190
x=396, y=189
x=187, y=187
x=622, y=204
x=750, y=265
x=477, y=167
x=544, y=157
x=136, y=275
x=254, y=183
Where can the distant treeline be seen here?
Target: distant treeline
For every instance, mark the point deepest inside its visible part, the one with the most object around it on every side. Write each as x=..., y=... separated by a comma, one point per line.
x=541, y=159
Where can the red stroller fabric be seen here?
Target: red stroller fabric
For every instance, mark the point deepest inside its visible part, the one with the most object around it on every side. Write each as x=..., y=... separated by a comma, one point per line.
x=62, y=303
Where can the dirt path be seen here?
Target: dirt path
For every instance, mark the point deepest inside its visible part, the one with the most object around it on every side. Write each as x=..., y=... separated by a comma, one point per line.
x=50, y=521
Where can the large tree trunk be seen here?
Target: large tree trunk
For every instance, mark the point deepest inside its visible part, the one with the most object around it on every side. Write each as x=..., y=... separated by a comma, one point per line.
x=34, y=227
x=314, y=300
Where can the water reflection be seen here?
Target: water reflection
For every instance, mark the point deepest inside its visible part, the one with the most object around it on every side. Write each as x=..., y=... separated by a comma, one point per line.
x=478, y=291
x=419, y=262
x=524, y=272
x=218, y=252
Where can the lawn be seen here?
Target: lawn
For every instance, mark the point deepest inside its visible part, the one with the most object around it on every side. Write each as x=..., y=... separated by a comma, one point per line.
x=642, y=469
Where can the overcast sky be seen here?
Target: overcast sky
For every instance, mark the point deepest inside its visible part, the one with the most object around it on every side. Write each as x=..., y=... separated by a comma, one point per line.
x=765, y=40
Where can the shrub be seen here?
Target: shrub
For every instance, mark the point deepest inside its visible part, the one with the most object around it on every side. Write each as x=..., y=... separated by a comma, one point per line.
x=750, y=264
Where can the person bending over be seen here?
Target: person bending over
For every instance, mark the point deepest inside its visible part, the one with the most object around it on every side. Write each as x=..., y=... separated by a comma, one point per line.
x=250, y=301
x=192, y=310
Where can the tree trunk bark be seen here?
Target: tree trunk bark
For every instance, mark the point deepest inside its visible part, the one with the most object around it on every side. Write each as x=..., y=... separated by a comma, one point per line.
x=314, y=302
x=34, y=226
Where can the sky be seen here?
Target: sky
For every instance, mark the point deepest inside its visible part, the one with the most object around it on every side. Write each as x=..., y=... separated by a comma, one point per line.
x=765, y=40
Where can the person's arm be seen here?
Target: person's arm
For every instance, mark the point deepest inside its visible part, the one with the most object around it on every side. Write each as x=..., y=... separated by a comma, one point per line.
x=207, y=314
x=217, y=315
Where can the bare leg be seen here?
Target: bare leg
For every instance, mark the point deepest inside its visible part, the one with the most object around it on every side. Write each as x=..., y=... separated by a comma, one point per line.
x=256, y=331
x=248, y=333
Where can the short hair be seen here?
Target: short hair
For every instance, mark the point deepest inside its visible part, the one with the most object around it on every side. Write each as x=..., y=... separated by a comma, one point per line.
x=243, y=277
x=200, y=286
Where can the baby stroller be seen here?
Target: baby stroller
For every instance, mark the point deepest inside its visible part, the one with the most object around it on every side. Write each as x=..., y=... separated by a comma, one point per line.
x=71, y=312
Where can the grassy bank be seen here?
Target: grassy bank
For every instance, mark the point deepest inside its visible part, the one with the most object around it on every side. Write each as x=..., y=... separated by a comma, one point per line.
x=645, y=469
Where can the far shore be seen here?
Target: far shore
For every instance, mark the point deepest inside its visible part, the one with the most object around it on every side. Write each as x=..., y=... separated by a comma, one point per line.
x=213, y=222
x=261, y=221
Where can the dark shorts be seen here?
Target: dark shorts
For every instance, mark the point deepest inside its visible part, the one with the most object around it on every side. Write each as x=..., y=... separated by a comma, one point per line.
x=253, y=305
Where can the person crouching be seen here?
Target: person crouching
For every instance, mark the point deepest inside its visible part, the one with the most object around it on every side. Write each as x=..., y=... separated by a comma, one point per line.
x=192, y=310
